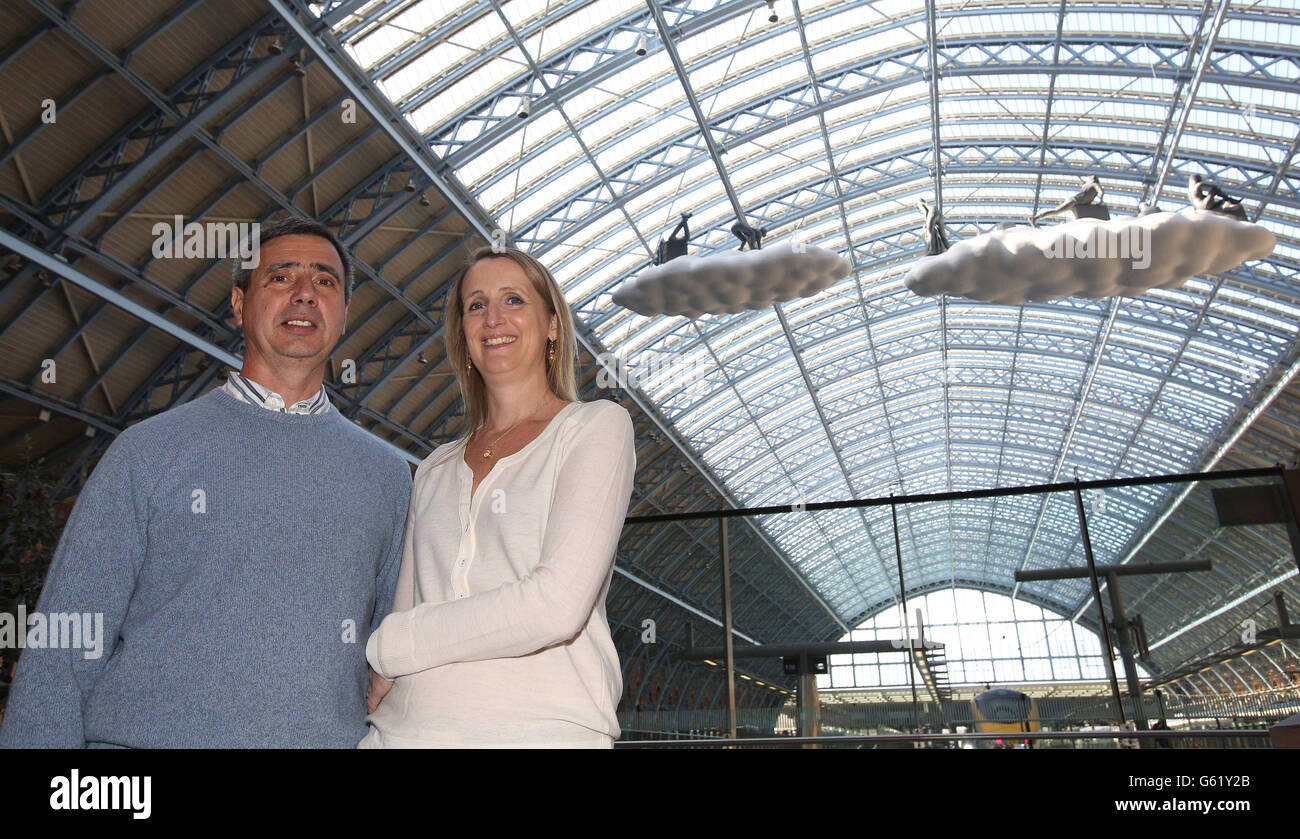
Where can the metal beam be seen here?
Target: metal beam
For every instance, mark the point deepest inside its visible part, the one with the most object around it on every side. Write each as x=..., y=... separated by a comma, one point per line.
x=185, y=126
x=1134, y=569
x=1188, y=103
x=29, y=393
x=1051, y=98
x=706, y=132
x=1278, y=388
x=421, y=156
x=895, y=645
x=59, y=266
x=573, y=131
x=1085, y=391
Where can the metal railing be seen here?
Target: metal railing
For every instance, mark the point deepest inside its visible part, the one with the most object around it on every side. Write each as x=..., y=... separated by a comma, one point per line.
x=1217, y=738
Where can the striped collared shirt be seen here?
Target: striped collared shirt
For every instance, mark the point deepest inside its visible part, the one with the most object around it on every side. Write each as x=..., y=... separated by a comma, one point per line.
x=246, y=390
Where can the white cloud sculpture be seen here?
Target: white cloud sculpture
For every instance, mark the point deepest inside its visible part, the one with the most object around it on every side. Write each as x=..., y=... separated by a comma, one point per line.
x=1089, y=258
x=732, y=281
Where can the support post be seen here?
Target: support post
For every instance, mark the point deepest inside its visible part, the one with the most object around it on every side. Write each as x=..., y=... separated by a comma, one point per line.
x=1291, y=494
x=726, y=628
x=902, y=594
x=810, y=712
x=1125, y=637
x=1101, y=612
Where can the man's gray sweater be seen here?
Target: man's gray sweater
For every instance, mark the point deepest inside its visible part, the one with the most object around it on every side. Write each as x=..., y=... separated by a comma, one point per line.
x=239, y=558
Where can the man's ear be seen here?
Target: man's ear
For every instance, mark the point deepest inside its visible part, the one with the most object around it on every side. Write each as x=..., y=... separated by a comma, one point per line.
x=344, y=331
x=237, y=304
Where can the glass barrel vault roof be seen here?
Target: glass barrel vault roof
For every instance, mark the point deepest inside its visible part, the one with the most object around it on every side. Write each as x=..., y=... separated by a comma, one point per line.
x=820, y=125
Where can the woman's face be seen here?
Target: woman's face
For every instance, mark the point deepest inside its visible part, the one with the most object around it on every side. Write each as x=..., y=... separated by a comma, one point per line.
x=506, y=322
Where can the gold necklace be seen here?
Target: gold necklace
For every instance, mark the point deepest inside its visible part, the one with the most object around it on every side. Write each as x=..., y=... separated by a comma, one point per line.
x=487, y=453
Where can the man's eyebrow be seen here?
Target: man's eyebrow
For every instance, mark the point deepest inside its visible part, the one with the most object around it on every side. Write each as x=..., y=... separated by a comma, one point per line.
x=317, y=266
x=328, y=269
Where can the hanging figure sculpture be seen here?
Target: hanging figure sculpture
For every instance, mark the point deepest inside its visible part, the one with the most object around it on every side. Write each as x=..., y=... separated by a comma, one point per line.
x=750, y=237
x=1088, y=197
x=676, y=243
x=1210, y=198
x=936, y=241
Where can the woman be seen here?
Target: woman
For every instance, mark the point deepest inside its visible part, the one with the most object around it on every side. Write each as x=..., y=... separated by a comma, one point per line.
x=498, y=635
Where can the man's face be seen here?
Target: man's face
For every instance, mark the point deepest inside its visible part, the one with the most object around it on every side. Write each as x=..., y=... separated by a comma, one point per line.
x=293, y=308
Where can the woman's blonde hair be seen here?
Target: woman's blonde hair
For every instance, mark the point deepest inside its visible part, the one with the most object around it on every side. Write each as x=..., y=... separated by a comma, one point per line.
x=560, y=376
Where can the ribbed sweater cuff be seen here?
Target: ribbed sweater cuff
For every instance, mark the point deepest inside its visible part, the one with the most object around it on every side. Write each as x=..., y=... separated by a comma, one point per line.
x=391, y=648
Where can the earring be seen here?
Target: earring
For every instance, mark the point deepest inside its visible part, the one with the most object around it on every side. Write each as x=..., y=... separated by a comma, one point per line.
x=550, y=351
x=469, y=367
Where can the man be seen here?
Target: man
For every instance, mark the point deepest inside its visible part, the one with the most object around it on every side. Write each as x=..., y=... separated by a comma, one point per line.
x=1092, y=193
x=239, y=548
x=1211, y=199
x=936, y=240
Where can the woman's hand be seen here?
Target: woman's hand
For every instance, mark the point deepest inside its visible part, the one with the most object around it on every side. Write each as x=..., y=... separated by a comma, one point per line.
x=376, y=691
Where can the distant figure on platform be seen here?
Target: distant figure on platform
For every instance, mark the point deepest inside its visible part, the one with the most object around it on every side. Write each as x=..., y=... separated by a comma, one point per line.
x=1210, y=198
x=1161, y=742
x=676, y=243
x=1090, y=196
x=935, y=240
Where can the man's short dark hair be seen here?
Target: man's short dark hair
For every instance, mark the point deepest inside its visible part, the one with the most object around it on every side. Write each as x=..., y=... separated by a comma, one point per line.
x=294, y=226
